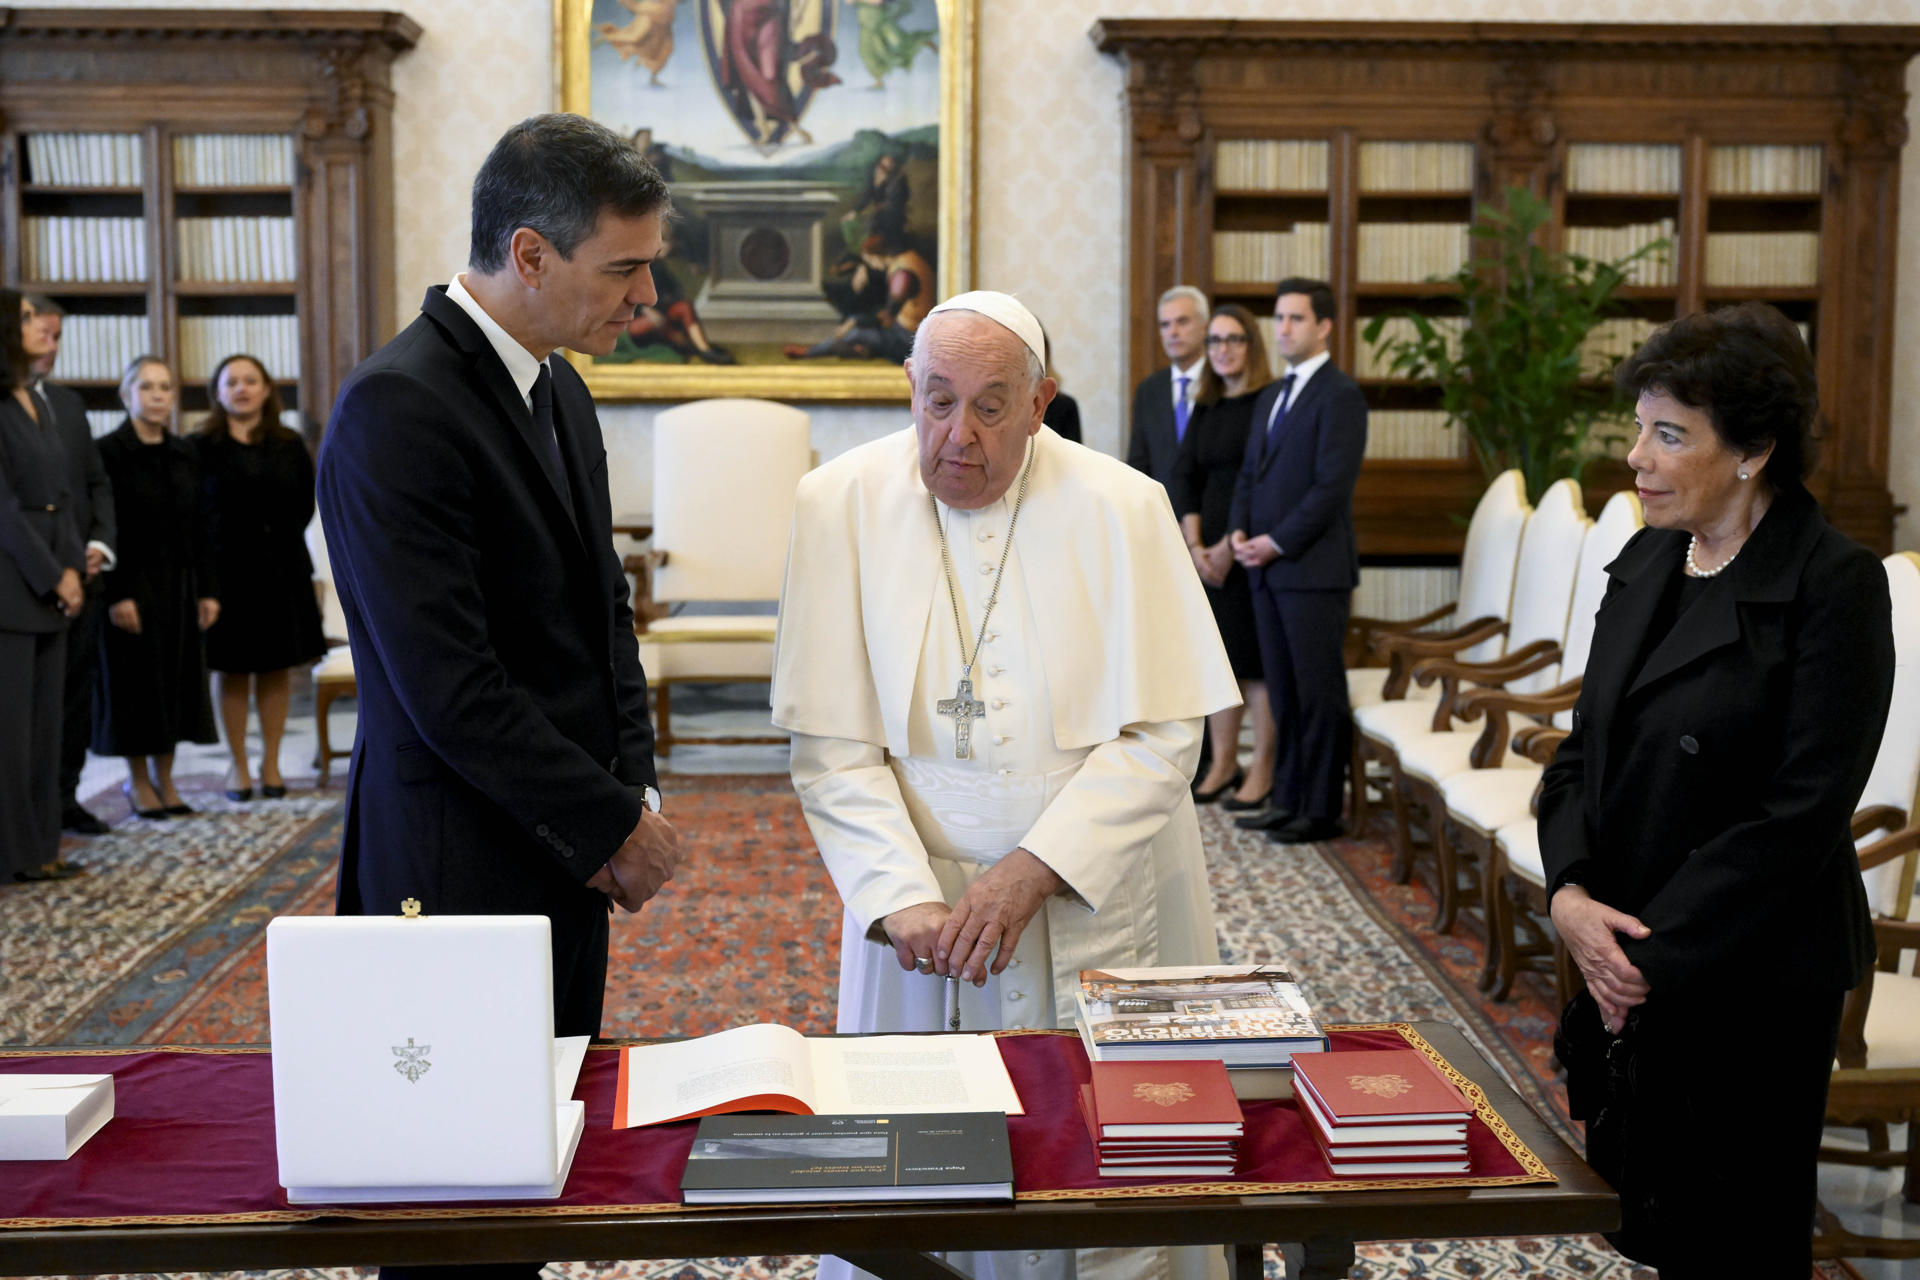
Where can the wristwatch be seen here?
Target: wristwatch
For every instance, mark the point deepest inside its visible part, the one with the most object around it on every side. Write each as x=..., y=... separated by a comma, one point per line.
x=651, y=795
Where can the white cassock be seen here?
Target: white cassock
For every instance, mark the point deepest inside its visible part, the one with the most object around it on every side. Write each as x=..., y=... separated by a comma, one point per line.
x=1099, y=663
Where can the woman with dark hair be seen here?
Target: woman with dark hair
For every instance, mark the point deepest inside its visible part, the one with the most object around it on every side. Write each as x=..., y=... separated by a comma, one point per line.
x=1202, y=490
x=160, y=597
x=40, y=564
x=1694, y=825
x=259, y=484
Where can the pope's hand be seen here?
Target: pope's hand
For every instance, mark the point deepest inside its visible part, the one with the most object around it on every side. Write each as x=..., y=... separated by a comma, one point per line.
x=641, y=865
x=914, y=930
x=992, y=914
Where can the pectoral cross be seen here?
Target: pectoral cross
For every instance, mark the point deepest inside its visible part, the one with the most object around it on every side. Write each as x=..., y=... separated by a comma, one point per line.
x=965, y=709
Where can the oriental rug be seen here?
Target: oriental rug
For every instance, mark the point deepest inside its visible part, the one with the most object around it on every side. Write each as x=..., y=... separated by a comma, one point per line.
x=163, y=942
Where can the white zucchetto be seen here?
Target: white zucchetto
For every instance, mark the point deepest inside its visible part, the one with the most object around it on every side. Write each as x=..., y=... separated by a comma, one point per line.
x=1004, y=310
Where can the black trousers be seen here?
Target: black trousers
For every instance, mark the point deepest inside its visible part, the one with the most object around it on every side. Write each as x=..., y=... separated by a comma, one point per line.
x=83, y=668
x=1710, y=1136
x=32, y=669
x=1301, y=637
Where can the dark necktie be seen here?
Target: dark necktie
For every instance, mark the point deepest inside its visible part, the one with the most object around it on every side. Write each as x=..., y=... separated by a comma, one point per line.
x=547, y=437
x=1181, y=409
x=1280, y=409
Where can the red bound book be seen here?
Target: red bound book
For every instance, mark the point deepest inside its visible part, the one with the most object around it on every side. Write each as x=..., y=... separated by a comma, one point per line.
x=1358, y=1136
x=1191, y=1098
x=1385, y=1086
x=1432, y=1160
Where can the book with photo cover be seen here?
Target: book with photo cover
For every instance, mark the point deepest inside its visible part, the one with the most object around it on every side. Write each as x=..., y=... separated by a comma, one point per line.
x=1246, y=1016
x=783, y=1159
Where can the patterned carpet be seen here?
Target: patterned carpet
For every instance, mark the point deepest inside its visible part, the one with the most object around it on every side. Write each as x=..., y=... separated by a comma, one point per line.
x=163, y=942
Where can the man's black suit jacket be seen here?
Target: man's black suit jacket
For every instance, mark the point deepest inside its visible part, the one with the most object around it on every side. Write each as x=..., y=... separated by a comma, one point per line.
x=1708, y=791
x=92, y=500
x=1298, y=488
x=503, y=731
x=1153, y=445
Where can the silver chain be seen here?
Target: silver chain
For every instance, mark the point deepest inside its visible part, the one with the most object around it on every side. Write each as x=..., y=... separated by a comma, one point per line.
x=993, y=597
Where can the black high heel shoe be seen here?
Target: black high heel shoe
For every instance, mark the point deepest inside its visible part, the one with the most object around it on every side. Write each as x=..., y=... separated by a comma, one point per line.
x=272, y=793
x=126, y=789
x=1231, y=784
x=181, y=810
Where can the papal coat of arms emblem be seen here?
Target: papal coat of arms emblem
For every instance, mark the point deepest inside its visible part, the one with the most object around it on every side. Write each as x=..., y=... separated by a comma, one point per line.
x=1171, y=1094
x=1387, y=1086
x=412, y=1060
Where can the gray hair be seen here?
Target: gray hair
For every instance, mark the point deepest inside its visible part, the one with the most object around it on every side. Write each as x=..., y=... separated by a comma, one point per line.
x=554, y=174
x=1036, y=370
x=1191, y=294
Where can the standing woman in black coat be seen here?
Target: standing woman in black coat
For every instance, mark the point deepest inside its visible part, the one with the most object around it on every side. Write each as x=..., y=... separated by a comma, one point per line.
x=259, y=483
x=1694, y=825
x=41, y=557
x=161, y=595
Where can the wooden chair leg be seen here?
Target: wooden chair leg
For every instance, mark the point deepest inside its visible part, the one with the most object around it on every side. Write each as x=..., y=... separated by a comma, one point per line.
x=1493, y=901
x=322, y=703
x=1446, y=863
x=1357, y=765
x=662, y=719
x=1402, y=830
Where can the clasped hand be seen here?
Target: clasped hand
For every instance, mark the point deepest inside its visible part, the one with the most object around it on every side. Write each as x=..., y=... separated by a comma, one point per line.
x=644, y=862
x=978, y=934
x=1253, y=552
x=1212, y=563
x=1588, y=928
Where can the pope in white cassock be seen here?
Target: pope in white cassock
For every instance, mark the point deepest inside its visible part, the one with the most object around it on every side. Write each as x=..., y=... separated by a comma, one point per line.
x=995, y=659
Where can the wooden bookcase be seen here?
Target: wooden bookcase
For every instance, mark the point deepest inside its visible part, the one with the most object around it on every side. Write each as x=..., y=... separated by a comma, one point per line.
x=1791, y=135
x=246, y=158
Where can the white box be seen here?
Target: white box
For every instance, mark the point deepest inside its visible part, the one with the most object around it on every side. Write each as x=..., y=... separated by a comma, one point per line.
x=47, y=1117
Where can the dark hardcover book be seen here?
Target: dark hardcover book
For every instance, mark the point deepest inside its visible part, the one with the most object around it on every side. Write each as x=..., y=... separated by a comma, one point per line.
x=777, y=1159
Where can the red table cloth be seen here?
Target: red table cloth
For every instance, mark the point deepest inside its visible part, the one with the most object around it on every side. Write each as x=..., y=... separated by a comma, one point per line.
x=191, y=1142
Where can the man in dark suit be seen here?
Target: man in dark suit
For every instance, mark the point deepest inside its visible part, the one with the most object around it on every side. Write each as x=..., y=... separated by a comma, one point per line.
x=92, y=507
x=1293, y=531
x=1164, y=399
x=504, y=761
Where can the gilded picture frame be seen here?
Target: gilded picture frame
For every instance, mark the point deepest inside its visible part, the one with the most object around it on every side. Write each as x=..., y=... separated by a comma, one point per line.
x=805, y=245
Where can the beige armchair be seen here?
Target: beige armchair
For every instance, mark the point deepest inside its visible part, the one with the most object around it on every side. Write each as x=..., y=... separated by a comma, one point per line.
x=724, y=475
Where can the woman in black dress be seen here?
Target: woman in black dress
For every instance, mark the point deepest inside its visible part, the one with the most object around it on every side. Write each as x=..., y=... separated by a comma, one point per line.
x=259, y=484
x=160, y=596
x=1202, y=492
x=40, y=562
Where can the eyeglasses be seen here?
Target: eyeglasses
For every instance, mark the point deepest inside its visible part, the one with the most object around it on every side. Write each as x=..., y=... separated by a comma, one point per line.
x=1226, y=339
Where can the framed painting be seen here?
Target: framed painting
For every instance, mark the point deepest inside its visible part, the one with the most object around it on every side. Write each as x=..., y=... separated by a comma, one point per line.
x=821, y=158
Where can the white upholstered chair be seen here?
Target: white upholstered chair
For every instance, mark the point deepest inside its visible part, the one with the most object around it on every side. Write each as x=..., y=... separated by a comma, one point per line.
x=1423, y=743
x=1876, y=1081
x=724, y=475
x=333, y=675
x=1389, y=649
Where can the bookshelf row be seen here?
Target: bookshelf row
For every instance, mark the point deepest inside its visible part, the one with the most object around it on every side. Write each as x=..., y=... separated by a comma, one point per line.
x=1592, y=168
x=1267, y=256
x=84, y=250
x=1763, y=259
x=117, y=161
x=1369, y=365
x=207, y=340
x=1612, y=341
x=1610, y=244
x=1404, y=591
x=1401, y=435
x=1400, y=252
x=233, y=160
x=246, y=250
x=98, y=348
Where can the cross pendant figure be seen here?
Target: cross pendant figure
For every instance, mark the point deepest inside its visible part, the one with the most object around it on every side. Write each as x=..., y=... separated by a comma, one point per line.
x=965, y=709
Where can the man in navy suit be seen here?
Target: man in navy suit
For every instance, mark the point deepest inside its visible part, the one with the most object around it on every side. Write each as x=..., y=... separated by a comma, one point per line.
x=1163, y=401
x=504, y=762
x=1293, y=530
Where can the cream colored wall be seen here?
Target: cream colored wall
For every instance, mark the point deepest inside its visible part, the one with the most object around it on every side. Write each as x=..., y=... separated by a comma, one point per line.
x=1051, y=148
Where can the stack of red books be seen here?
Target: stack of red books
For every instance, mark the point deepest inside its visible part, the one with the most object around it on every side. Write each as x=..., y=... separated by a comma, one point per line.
x=1382, y=1113
x=1163, y=1119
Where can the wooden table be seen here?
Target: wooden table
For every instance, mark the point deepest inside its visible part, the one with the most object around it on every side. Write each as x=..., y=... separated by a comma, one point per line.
x=887, y=1239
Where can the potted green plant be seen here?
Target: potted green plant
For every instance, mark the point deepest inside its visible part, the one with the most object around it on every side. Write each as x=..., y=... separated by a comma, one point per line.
x=1516, y=378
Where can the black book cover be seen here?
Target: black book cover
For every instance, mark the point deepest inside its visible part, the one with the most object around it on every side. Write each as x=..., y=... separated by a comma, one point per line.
x=749, y=1159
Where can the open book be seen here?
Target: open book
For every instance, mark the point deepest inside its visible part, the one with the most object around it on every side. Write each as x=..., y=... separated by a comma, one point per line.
x=773, y=1068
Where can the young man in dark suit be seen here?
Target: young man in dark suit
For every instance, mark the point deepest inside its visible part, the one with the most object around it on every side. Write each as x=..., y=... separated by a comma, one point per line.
x=1164, y=399
x=504, y=763
x=92, y=507
x=1293, y=531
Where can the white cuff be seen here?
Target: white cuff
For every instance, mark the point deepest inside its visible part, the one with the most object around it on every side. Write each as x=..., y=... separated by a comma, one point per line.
x=108, y=559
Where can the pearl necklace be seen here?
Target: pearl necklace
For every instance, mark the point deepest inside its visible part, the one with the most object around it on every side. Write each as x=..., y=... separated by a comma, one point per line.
x=1693, y=566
